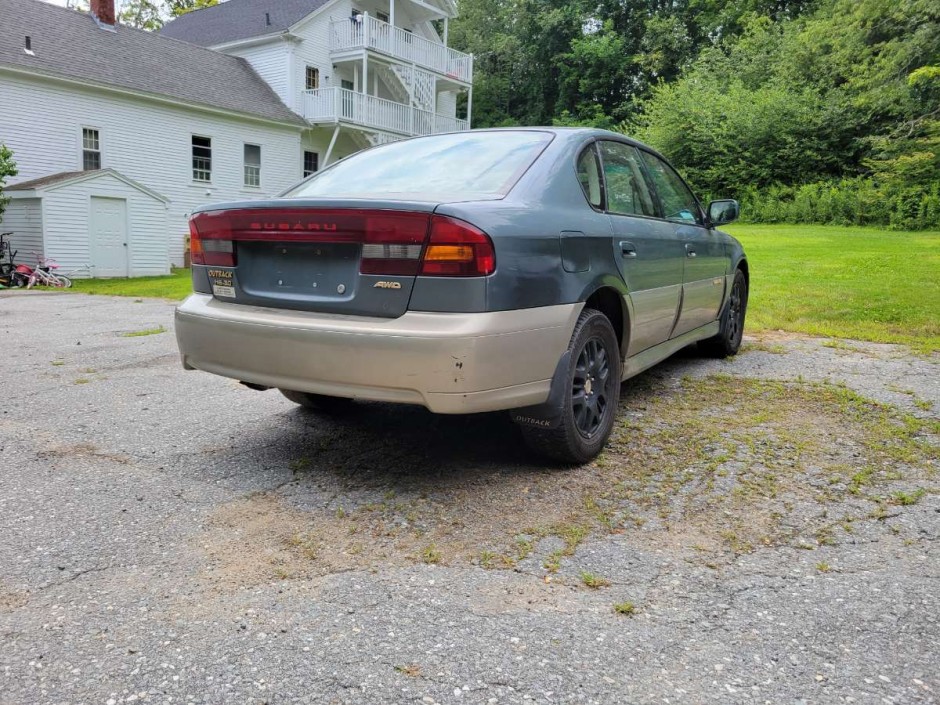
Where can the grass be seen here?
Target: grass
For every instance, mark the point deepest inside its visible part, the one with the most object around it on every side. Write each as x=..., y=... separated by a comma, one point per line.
x=860, y=283
x=177, y=285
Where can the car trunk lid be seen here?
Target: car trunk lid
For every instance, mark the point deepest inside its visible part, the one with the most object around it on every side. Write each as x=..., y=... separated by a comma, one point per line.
x=348, y=257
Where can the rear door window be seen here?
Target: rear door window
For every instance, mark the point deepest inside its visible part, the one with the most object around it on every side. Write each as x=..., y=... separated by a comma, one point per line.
x=627, y=190
x=461, y=166
x=679, y=205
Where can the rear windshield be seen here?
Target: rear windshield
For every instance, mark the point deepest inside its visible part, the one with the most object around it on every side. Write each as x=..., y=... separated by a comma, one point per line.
x=468, y=166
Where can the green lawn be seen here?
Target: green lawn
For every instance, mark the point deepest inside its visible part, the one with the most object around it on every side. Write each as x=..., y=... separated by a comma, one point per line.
x=176, y=286
x=861, y=283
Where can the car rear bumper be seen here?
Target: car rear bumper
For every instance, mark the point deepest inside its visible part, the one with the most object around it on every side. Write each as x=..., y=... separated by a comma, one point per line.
x=452, y=363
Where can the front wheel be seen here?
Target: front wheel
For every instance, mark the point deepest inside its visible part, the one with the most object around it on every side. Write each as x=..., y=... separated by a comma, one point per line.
x=592, y=393
x=731, y=330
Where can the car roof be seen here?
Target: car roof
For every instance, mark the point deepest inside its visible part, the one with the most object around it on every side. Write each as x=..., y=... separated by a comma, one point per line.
x=566, y=133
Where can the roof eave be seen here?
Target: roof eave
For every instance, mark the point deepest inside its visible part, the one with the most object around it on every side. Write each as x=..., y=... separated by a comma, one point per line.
x=283, y=35
x=299, y=123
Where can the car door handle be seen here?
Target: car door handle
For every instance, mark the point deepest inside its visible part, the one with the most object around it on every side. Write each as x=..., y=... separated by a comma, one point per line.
x=628, y=249
x=690, y=251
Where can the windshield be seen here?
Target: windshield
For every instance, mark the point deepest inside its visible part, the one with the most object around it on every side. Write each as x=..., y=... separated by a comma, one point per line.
x=467, y=166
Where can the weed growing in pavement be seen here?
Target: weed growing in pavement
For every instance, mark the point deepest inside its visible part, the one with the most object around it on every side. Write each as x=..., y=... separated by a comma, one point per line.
x=625, y=608
x=145, y=331
x=411, y=670
x=431, y=555
x=299, y=465
x=908, y=498
x=305, y=543
x=595, y=582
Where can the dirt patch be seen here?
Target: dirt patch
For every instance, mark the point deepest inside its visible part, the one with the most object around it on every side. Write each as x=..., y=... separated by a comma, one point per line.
x=11, y=599
x=82, y=450
x=707, y=469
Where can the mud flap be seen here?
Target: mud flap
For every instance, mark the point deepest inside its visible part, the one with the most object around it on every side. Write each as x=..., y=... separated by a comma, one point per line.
x=547, y=414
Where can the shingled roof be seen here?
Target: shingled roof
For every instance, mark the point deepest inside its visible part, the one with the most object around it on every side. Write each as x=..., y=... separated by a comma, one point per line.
x=71, y=45
x=239, y=19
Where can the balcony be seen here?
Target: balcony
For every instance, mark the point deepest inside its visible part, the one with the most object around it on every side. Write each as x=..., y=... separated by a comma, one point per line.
x=340, y=105
x=349, y=35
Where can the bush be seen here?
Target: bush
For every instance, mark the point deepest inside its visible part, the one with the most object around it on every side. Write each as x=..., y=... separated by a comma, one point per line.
x=858, y=201
x=7, y=169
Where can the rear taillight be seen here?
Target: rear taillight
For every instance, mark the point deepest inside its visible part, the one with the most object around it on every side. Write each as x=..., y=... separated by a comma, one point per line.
x=210, y=242
x=393, y=242
x=457, y=249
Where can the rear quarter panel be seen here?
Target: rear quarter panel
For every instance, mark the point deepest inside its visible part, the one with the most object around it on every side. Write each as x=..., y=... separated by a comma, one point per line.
x=527, y=230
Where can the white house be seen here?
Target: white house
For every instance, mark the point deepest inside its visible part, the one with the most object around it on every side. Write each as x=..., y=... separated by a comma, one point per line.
x=234, y=102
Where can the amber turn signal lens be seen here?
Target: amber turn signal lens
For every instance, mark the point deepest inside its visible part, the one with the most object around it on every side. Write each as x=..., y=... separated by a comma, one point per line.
x=449, y=253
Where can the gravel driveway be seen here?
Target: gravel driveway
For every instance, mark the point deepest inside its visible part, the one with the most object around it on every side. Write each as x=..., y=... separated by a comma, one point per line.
x=760, y=530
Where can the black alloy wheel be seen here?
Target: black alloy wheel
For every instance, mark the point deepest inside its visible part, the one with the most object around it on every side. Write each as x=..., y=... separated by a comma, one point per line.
x=590, y=399
x=731, y=330
x=587, y=406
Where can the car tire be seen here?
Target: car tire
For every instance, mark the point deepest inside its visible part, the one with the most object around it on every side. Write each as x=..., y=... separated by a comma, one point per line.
x=592, y=394
x=319, y=402
x=731, y=330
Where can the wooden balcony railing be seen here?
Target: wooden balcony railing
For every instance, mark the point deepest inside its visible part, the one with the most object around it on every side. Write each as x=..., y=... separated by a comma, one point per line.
x=343, y=105
x=371, y=33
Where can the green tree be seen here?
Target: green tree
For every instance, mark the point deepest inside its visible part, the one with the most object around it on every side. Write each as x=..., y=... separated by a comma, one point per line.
x=141, y=14
x=7, y=169
x=181, y=7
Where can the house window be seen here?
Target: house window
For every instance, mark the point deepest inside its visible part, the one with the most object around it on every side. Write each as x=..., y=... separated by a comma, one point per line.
x=311, y=163
x=202, y=158
x=313, y=78
x=348, y=85
x=382, y=16
x=91, y=149
x=252, y=165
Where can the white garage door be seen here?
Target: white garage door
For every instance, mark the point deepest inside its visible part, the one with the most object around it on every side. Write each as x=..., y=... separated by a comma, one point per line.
x=108, y=231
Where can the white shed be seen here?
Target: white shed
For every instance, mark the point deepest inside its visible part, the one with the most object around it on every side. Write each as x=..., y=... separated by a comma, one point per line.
x=92, y=223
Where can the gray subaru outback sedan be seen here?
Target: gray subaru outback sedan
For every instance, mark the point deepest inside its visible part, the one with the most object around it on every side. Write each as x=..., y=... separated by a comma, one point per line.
x=529, y=269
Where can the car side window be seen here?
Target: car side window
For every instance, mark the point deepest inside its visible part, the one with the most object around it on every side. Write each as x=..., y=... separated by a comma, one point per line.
x=627, y=191
x=679, y=205
x=589, y=176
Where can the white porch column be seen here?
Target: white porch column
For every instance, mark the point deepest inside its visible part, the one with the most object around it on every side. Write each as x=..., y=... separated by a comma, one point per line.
x=391, y=12
x=365, y=52
x=469, y=104
x=445, y=29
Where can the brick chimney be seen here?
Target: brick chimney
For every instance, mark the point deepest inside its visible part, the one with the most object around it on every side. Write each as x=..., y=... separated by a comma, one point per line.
x=103, y=12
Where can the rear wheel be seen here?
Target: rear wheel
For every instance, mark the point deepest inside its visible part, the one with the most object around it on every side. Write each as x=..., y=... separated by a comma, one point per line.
x=592, y=393
x=318, y=402
x=728, y=340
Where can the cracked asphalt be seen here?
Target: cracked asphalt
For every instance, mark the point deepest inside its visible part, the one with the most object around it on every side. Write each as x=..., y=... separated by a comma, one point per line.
x=171, y=537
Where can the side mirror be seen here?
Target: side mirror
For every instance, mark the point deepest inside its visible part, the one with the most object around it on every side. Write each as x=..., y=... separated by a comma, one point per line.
x=724, y=211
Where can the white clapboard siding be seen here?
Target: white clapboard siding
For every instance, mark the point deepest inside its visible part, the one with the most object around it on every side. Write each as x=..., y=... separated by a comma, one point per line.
x=66, y=222
x=23, y=217
x=147, y=141
x=270, y=62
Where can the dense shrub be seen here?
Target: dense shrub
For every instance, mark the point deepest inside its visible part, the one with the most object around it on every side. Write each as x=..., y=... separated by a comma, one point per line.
x=858, y=201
